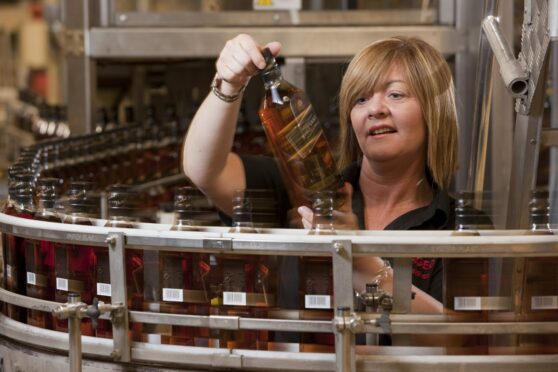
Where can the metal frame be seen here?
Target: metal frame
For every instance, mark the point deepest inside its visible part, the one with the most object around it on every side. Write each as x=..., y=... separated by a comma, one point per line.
x=346, y=324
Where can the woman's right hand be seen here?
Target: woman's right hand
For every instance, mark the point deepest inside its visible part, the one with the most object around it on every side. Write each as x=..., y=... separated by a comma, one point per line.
x=240, y=59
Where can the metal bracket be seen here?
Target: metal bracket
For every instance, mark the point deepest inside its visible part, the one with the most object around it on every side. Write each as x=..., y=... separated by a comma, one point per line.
x=224, y=322
x=342, y=259
x=73, y=42
x=120, y=324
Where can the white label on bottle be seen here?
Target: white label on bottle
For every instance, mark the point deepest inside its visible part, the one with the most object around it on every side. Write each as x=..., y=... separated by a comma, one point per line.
x=62, y=284
x=544, y=302
x=277, y=4
x=10, y=272
x=173, y=294
x=31, y=278
x=317, y=302
x=467, y=303
x=103, y=289
x=234, y=298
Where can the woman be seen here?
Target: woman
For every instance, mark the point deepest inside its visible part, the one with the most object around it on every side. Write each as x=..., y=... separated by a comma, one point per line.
x=399, y=141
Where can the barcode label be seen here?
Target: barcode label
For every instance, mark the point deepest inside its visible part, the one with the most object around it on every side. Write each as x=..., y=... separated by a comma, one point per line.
x=10, y=272
x=173, y=294
x=544, y=302
x=103, y=289
x=62, y=284
x=317, y=302
x=467, y=303
x=234, y=298
x=31, y=278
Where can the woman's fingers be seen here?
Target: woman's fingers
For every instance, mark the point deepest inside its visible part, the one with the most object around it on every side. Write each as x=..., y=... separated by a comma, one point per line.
x=307, y=215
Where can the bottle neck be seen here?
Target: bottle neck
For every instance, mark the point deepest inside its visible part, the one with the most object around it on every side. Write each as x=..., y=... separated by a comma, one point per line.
x=272, y=76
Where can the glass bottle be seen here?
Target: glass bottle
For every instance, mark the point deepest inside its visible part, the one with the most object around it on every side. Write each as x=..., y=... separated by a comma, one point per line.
x=248, y=281
x=466, y=283
x=39, y=255
x=296, y=137
x=183, y=275
x=20, y=204
x=122, y=206
x=539, y=289
x=75, y=264
x=316, y=273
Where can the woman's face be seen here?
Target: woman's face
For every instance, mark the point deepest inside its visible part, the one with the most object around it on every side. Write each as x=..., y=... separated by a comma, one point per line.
x=388, y=122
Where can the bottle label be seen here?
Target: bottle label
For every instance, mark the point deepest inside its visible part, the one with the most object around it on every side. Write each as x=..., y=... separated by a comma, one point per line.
x=10, y=274
x=234, y=298
x=467, y=303
x=62, y=284
x=317, y=302
x=544, y=302
x=103, y=289
x=301, y=135
x=173, y=295
x=493, y=303
x=31, y=278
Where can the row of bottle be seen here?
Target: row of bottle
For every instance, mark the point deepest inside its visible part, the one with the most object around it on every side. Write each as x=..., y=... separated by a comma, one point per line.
x=127, y=155
x=502, y=289
x=43, y=120
x=162, y=281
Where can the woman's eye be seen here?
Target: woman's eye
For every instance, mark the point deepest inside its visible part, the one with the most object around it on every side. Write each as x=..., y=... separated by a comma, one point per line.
x=360, y=100
x=395, y=95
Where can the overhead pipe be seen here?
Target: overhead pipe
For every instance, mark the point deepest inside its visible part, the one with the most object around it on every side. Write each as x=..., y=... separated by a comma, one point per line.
x=514, y=76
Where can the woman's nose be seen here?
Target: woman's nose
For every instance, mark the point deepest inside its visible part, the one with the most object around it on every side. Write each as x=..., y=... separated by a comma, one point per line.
x=376, y=107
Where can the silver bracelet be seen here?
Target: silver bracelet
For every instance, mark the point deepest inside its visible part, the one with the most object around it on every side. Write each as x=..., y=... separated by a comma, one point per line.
x=215, y=88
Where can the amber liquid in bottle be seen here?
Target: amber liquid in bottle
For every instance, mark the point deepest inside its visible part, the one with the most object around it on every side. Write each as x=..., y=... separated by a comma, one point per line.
x=296, y=137
x=14, y=248
x=76, y=265
x=249, y=281
x=39, y=258
x=121, y=205
x=466, y=285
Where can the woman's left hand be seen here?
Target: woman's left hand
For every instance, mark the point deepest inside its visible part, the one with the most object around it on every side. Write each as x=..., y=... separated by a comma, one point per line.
x=343, y=218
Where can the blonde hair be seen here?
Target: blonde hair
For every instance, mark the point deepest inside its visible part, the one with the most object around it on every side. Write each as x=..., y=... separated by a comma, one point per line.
x=430, y=80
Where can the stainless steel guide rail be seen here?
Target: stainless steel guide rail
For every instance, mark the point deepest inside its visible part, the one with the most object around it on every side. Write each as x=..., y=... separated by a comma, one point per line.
x=402, y=247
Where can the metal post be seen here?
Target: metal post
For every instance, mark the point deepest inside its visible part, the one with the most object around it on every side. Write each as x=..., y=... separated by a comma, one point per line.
x=468, y=15
x=553, y=166
x=402, y=293
x=342, y=259
x=79, y=69
x=481, y=116
x=74, y=333
x=344, y=343
x=120, y=323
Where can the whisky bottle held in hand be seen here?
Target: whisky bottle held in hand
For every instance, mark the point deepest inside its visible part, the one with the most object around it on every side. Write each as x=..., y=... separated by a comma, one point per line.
x=296, y=137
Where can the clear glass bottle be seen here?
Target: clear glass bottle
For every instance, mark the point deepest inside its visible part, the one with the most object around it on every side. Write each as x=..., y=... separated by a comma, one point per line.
x=296, y=137
x=539, y=289
x=40, y=254
x=76, y=264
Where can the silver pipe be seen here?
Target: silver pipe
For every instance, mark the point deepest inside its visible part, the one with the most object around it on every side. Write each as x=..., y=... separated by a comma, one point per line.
x=553, y=20
x=481, y=115
x=553, y=182
x=515, y=78
x=74, y=334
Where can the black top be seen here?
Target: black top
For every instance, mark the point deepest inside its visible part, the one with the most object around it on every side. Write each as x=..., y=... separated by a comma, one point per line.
x=263, y=172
